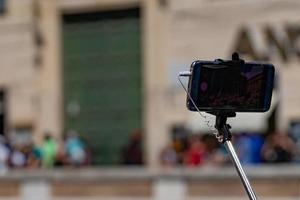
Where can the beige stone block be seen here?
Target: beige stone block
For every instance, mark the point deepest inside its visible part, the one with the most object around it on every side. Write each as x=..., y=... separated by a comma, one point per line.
x=102, y=189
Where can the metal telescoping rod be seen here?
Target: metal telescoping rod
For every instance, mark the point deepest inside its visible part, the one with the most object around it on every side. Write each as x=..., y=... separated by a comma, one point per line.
x=240, y=170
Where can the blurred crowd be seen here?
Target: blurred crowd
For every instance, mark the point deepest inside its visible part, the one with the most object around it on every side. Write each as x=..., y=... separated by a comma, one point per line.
x=185, y=149
x=194, y=150
x=71, y=151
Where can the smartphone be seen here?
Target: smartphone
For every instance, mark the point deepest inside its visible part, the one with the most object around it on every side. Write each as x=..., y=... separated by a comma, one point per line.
x=219, y=86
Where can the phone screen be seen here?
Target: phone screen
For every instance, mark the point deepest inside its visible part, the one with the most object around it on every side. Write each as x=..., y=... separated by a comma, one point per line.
x=223, y=87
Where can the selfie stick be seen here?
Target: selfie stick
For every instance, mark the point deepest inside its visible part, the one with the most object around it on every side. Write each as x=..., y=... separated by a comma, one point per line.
x=224, y=134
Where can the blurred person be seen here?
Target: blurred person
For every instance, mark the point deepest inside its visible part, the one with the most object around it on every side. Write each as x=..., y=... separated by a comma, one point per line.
x=132, y=153
x=215, y=154
x=194, y=156
x=34, y=159
x=210, y=142
x=75, y=149
x=180, y=145
x=49, y=150
x=88, y=153
x=180, y=141
x=257, y=142
x=61, y=158
x=243, y=145
x=18, y=158
x=19, y=149
x=220, y=157
x=4, y=154
x=278, y=148
x=249, y=146
x=168, y=156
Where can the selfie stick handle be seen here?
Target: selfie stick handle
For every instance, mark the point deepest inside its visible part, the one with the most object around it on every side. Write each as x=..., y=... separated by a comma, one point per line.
x=224, y=132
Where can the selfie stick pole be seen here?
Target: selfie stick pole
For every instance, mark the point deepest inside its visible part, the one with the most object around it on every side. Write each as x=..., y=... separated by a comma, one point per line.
x=240, y=170
x=225, y=134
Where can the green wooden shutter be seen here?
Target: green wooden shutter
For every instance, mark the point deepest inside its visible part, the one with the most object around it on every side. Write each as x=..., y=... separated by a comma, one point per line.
x=102, y=79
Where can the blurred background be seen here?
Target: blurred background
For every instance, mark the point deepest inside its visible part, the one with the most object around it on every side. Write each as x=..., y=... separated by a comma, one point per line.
x=90, y=105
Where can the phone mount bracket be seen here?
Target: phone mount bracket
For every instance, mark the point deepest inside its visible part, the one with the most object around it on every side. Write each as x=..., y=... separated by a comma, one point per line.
x=225, y=134
x=222, y=126
x=234, y=62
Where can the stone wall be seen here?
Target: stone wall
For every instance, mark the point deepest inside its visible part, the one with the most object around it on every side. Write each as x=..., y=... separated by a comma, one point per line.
x=269, y=182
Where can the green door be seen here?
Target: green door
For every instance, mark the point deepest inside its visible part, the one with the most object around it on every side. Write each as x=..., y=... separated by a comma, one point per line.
x=102, y=79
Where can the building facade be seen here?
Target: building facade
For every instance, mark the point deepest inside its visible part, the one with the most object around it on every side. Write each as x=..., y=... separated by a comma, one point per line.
x=108, y=67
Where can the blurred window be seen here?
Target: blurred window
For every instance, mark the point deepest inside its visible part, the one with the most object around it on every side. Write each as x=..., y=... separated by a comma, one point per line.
x=2, y=6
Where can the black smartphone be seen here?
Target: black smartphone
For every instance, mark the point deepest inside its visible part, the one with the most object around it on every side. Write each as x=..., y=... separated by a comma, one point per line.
x=219, y=86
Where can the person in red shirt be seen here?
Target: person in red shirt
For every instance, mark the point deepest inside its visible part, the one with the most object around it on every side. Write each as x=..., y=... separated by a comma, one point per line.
x=194, y=156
